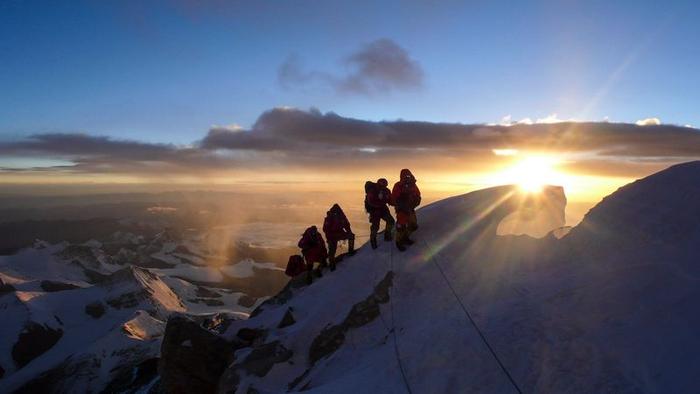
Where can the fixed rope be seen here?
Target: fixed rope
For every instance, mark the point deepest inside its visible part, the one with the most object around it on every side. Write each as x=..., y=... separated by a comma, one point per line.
x=476, y=327
x=393, y=324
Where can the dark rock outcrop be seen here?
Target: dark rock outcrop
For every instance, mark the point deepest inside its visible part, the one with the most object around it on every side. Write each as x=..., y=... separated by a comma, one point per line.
x=129, y=380
x=34, y=340
x=53, y=286
x=192, y=357
x=95, y=309
x=250, y=335
x=287, y=319
x=5, y=287
x=331, y=338
x=259, y=362
x=207, y=301
x=283, y=296
x=203, y=292
x=2, y=371
x=246, y=301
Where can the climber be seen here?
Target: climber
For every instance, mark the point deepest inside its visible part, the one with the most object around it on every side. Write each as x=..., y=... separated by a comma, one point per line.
x=314, y=250
x=337, y=228
x=406, y=197
x=377, y=196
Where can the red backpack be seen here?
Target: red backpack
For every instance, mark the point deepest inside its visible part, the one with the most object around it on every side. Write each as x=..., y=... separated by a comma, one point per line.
x=295, y=266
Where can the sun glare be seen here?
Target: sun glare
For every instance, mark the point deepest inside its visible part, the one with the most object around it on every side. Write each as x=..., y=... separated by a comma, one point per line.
x=532, y=173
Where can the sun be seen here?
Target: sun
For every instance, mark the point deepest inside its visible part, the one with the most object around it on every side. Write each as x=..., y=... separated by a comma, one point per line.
x=532, y=173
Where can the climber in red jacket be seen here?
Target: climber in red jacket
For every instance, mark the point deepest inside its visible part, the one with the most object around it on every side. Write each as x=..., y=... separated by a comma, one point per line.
x=337, y=228
x=406, y=197
x=314, y=250
x=377, y=199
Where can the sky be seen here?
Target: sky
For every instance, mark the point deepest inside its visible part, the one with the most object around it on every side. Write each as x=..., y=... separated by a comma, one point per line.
x=111, y=90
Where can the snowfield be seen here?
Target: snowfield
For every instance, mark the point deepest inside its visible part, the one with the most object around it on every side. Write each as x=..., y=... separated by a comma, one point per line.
x=609, y=307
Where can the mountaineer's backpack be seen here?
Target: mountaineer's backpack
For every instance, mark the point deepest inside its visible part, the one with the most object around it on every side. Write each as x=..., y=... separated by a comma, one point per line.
x=370, y=187
x=295, y=266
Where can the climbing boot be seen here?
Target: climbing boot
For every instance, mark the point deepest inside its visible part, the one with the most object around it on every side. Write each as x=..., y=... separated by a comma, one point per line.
x=351, y=247
x=400, y=247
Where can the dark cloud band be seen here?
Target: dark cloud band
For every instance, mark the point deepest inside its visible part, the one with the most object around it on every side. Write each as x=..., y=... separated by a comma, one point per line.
x=284, y=138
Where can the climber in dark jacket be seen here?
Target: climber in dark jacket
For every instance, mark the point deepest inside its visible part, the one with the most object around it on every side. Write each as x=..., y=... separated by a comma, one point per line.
x=406, y=197
x=337, y=228
x=313, y=248
x=377, y=199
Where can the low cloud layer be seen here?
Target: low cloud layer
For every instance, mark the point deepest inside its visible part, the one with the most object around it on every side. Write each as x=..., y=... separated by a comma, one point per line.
x=379, y=67
x=285, y=139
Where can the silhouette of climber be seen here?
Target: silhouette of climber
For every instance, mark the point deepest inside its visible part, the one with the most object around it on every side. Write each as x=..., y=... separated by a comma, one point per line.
x=313, y=248
x=337, y=228
x=406, y=197
x=377, y=199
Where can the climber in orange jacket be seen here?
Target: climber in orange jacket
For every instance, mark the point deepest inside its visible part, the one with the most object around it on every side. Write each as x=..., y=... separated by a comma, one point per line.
x=406, y=197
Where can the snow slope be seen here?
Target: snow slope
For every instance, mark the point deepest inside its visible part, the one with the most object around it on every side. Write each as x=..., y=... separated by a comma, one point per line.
x=610, y=307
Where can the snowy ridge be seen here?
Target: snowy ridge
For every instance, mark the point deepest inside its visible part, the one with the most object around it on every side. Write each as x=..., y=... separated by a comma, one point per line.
x=579, y=314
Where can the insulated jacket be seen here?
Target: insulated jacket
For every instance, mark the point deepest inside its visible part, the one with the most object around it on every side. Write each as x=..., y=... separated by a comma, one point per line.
x=377, y=201
x=405, y=194
x=313, y=246
x=336, y=225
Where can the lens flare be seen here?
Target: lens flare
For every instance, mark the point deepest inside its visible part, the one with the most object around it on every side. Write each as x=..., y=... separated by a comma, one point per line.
x=532, y=173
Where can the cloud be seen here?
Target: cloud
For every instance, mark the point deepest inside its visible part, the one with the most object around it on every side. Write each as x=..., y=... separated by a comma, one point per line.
x=648, y=122
x=505, y=152
x=287, y=139
x=378, y=67
x=99, y=154
x=551, y=118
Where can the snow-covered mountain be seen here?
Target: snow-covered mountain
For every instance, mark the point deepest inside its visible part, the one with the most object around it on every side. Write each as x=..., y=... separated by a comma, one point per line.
x=608, y=307
x=90, y=317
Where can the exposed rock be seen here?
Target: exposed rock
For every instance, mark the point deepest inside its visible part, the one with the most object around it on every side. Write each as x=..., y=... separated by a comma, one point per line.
x=207, y=301
x=52, y=286
x=287, y=319
x=34, y=340
x=50, y=381
x=94, y=276
x=261, y=360
x=250, y=334
x=130, y=379
x=128, y=300
x=298, y=380
x=246, y=301
x=203, y=292
x=193, y=368
x=95, y=309
x=2, y=372
x=5, y=287
x=80, y=252
x=332, y=337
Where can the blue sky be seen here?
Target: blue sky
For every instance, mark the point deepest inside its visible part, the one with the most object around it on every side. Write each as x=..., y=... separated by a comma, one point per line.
x=169, y=70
